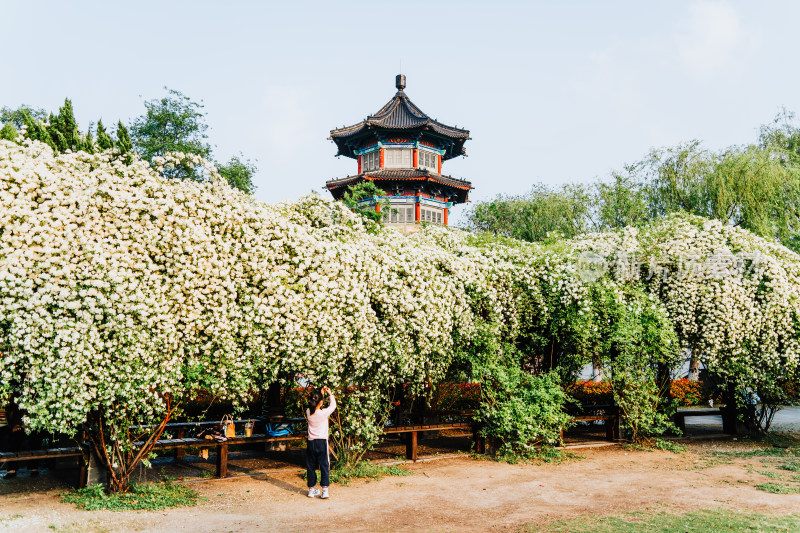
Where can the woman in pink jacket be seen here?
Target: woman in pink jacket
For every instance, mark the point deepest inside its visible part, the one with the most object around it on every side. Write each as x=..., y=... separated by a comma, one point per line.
x=317, y=449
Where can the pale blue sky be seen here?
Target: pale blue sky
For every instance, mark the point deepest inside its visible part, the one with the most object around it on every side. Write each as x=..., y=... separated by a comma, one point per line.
x=554, y=92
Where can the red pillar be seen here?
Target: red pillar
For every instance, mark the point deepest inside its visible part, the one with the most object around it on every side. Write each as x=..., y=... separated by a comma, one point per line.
x=416, y=157
x=359, y=164
x=446, y=209
x=417, y=211
x=377, y=206
x=439, y=164
x=380, y=160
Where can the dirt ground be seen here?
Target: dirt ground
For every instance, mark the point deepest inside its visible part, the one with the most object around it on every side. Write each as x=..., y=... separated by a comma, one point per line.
x=446, y=494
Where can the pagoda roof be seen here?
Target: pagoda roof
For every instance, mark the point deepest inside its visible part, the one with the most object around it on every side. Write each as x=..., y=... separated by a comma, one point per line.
x=459, y=188
x=399, y=114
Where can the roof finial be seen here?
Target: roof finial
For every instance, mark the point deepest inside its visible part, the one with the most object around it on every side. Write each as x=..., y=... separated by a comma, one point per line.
x=400, y=82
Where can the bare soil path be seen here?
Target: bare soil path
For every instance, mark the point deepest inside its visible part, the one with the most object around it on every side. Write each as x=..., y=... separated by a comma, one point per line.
x=460, y=494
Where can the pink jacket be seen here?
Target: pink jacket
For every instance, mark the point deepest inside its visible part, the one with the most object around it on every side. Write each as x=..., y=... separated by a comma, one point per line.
x=318, y=422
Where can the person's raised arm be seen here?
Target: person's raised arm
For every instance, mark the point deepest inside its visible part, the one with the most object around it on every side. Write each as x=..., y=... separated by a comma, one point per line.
x=332, y=407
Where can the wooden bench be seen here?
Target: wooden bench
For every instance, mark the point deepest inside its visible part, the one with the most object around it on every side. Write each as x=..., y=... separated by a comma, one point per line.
x=411, y=443
x=222, y=447
x=180, y=429
x=52, y=453
x=180, y=441
x=681, y=414
x=610, y=417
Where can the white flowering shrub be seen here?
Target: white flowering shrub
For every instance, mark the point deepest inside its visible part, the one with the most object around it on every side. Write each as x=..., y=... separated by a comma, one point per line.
x=123, y=293
x=733, y=299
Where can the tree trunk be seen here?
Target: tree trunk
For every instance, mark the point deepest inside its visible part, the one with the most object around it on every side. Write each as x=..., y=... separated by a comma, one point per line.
x=273, y=404
x=597, y=372
x=694, y=366
x=120, y=459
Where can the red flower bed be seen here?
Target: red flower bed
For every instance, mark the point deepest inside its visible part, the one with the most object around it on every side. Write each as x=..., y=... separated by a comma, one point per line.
x=456, y=396
x=592, y=392
x=599, y=392
x=688, y=392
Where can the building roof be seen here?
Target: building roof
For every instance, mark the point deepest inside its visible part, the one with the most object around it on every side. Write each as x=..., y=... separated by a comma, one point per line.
x=400, y=113
x=408, y=177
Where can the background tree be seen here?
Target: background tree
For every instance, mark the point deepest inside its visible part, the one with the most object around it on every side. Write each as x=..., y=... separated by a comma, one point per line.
x=621, y=202
x=754, y=186
x=8, y=132
x=104, y=140
x=535, y=216
x=239, y=173
x=60, y=131
x=175, y=123
x=364, y=190
x=18, y=117
x=124, y=144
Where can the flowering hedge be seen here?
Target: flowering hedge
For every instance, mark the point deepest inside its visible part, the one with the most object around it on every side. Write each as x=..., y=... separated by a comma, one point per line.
x=123, y=293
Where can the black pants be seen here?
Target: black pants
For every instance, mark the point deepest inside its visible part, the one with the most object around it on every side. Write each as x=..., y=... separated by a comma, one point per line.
x=317, y=454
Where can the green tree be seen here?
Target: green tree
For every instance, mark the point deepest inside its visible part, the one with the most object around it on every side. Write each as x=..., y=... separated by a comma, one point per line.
x=68, y=125
x=18, y=117
x=622, y=202
x=755, y=187
x=60, y=131
x=37, y=131
x=104, y=140
x=361, y=191
x=538, y=215
x=175, y=123
x=238, y=172
x=124, y=144
x=8, y=132
x=782, y=136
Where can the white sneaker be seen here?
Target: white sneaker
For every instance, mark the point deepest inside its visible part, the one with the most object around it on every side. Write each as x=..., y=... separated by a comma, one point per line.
x=324, y=493
x=313, y=492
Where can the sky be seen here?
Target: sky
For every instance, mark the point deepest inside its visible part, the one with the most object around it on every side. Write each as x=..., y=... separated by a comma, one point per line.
x=552, y=92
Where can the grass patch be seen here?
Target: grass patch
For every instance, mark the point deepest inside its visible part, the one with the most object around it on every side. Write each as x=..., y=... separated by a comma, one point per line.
x=144, y=497
x=661, y=522
x=655, y=444
x=669, y=446
x=759, y=452
x=364, y=470
x=542, y=455
x=768, y=473
x=793, y=466
x=778, y=488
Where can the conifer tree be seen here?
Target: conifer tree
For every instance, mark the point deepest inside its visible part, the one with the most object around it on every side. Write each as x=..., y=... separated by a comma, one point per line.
x=87, y=142
x=104, y=140
x=124, y=142
x=55, y=130
x=67, y=125
x=37, y=131
x=8, y=132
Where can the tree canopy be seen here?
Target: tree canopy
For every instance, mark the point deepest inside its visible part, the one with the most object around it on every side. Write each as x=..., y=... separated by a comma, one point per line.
x=177, y=124
x=755, y=186
x=174, y=124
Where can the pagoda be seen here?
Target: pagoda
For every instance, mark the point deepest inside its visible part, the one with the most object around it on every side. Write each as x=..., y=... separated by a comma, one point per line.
x=401, y=149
